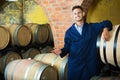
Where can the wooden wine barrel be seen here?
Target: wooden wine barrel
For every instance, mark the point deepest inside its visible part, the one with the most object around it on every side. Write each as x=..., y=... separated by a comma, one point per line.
x=56, y=61
x=110, y=50
x=20, y=34
x=40, y=33
x=50, y=39
x=30, y=53
x=29, y=70
x=8, y=57
x=46, y=49
x=4, y=37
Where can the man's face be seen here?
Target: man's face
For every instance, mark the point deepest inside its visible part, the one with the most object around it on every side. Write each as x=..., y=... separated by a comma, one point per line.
x=78, y=14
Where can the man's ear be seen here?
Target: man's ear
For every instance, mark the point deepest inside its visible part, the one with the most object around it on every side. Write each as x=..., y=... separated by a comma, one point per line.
x=83, y=13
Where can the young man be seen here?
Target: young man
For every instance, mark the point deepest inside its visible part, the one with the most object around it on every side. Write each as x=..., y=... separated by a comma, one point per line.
x=80, y=44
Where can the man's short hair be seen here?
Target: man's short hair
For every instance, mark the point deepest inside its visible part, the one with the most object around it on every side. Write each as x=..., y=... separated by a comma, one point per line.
x=77, y=7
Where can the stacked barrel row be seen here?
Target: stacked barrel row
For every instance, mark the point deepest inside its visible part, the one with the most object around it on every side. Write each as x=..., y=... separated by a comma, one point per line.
x=25, y=69
x=11, y=55
x=23, y=35
x=20, y=41
x=47, y=66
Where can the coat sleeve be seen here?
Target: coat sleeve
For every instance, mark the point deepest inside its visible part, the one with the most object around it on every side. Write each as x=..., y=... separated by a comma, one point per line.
x=67, y=44
x=99, y=26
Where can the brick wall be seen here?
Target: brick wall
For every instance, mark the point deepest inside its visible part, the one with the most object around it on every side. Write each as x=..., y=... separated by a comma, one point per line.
x=59, y=15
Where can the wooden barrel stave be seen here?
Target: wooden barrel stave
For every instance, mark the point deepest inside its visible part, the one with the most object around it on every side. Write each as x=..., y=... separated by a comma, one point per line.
x=40, y=32
x=8, y=57
x=56, y=61
x=4, y=37
x=29, y=70
x=20, y=34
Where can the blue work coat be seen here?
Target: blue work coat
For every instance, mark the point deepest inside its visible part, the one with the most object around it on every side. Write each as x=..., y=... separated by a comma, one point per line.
x=83, y=59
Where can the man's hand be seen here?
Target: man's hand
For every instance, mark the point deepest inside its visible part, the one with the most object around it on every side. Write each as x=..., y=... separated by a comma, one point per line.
x=56, y=51
x=105, y=34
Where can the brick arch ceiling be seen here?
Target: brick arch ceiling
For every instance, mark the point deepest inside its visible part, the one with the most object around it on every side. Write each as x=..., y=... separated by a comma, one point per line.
x=59, y=15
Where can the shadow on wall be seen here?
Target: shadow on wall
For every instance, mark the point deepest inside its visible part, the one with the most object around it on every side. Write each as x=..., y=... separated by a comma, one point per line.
x=104, y=9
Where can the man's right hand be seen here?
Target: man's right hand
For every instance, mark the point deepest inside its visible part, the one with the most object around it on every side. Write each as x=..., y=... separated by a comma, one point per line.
x=56, y=51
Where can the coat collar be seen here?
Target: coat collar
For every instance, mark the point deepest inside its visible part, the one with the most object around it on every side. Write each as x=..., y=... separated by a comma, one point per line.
x=74, y=30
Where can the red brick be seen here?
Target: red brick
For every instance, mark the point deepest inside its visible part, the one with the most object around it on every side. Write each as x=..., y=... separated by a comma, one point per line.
x=59, y=14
